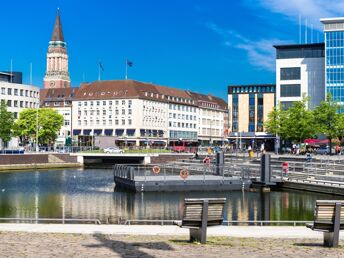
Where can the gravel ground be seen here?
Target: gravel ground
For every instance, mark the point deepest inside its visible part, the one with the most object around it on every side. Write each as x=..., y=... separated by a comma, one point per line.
x=13, y=244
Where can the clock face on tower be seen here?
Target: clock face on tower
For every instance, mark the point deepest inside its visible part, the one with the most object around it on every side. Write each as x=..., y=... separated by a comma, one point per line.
x=52, y=84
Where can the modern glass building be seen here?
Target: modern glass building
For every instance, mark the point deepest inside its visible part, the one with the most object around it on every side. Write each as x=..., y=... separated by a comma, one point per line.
x=300, y=73
x=334, y=56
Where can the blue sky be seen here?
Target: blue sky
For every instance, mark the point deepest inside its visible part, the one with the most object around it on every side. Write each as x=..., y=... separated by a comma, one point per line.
x=199, y=45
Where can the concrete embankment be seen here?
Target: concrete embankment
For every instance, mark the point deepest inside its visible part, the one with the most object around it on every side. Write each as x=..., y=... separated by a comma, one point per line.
x=37, y=161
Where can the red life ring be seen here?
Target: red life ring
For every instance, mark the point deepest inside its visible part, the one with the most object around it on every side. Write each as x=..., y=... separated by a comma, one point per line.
x=184, y=173
x=156, y=170
x=206, y=161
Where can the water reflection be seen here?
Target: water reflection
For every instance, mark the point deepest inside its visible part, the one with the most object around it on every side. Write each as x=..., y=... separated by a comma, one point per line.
x=89, y=194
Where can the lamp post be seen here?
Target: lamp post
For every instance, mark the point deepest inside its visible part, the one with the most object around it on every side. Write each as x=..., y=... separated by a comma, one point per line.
x=37, y=147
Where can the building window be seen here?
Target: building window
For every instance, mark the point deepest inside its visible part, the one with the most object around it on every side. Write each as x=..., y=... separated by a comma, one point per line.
x=66, y=122
x=123, y=121
x=9, y=91
x=21, y=92
x=129, y=121
x=98, y=103
x=123, y=102
x=292, y=73
x=15, y=104
x=9, y=103
x=290, y=90
x=260, y=112
x=123, y=111
x=286, y=104
x=16, y=92
x=3, y=91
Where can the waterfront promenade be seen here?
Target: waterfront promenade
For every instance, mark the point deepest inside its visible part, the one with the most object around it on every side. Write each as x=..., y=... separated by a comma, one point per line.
x=52, y=240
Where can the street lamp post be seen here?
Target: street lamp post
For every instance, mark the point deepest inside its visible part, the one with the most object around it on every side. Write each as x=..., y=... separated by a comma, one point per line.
x=37, y=147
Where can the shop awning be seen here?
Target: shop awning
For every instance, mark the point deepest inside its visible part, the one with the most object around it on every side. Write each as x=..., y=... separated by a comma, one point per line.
x=76, y=132
x=130, y=132
x=108, y=132
x=87, y=131
x=98, y=131
x=119, y=132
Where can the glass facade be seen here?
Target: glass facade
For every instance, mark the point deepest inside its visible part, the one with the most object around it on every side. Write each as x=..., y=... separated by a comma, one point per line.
x=260, y=112
x=290, y=90
x=235, y=112
x=291, y=73
x=300, y=51
x=334, y=45
x=251, y=113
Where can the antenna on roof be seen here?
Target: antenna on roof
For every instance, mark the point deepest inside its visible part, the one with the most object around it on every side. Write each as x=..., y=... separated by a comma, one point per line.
x=300, y=29
x=306, y=31
x=30, y=73
x=311, y=32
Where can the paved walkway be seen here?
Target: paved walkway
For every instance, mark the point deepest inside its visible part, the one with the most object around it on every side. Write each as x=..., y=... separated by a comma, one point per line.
x=228, y=231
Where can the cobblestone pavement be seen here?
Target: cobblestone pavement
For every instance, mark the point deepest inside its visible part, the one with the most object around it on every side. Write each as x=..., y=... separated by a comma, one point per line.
x=13, y=244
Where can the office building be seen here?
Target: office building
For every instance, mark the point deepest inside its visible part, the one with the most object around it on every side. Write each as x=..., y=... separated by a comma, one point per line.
x=334, y=56
x=300, y=73
x=249, y=106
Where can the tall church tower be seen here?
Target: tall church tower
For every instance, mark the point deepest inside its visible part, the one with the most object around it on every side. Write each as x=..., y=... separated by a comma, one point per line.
x=57, y=75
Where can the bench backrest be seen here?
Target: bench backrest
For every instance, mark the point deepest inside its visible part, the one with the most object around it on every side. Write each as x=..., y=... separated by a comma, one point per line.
x=324, y=214
x=193, y=211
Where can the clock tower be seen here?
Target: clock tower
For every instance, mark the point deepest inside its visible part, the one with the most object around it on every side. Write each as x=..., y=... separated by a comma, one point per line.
x=57, y=75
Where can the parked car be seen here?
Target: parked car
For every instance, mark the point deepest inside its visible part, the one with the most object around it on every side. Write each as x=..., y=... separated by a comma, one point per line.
x=113, y=150
x=324, y=150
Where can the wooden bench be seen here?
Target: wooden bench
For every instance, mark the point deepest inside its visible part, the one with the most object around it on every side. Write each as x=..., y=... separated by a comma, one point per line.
x=200, y=213
x=328, y=218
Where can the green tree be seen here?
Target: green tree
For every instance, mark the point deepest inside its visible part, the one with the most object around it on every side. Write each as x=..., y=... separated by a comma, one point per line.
x=49, y=123
x=299, y=122
x=6, y=121
x=327, y=120
x=275, y=123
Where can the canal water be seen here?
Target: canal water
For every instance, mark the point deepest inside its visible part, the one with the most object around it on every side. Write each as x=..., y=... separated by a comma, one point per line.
x=89, y=194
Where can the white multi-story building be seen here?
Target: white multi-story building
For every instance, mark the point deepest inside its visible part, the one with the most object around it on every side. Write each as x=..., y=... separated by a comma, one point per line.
x=18, y=97
x=136, y=113
x=300, y=72
x=212, y=114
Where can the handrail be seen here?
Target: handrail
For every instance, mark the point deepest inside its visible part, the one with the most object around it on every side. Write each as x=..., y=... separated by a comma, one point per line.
x=96, y=221
x=225, y=222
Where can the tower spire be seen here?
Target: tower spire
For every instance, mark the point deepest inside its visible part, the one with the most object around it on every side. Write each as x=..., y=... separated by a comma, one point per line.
x=57, y=32
x=57, y=75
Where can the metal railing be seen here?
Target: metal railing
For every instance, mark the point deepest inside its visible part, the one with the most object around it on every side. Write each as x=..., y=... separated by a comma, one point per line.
x=225, y=222
x=31, y=220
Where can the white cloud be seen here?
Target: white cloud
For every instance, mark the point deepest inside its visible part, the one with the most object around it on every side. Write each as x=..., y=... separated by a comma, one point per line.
x=260, y=53
x=312, y=10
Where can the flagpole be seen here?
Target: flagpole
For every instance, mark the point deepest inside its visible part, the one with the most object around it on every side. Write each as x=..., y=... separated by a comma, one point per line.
x=126, y=69
x=98, y=71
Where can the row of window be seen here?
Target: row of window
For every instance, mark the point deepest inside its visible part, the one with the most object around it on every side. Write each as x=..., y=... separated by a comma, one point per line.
x=183, y=135
x=182, y=116
x=22, y=104
x=251, y=89
x=182, y=108
x=104, y=103
x=105, y=122
x=182, y=125
x=157, y=95
x=315, y=52
x=19, y=92
x=104, y=112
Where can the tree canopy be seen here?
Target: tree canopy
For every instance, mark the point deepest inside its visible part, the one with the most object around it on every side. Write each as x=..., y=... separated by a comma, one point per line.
x=299, y=123
x=7, y=122
x=49, y=123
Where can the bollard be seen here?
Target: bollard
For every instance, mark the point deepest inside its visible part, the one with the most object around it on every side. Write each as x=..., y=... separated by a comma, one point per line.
x=220, y=161
x=265, y=169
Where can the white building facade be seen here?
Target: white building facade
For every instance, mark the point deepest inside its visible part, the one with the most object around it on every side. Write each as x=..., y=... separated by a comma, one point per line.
x=18, y=97
x=299, y=73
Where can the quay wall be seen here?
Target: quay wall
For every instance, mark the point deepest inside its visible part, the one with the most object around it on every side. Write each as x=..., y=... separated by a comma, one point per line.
x=37, y=161
x=165, y=158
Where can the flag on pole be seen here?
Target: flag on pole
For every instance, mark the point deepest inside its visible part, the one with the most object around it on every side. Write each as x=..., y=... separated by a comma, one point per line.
x=101, y=66
x=130, y=63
